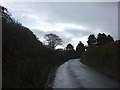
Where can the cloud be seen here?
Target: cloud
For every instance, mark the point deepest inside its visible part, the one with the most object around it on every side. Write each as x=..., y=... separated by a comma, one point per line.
x=64, y=36
x=79, y=32
x=72, y=21
x=60, y=1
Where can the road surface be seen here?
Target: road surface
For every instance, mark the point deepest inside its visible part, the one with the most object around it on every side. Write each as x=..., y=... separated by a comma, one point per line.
x=74, y=74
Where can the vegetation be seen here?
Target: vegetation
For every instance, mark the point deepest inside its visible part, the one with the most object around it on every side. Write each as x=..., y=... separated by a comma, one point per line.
x=69, y=53
x=26, y=62
x=69, y=47
x=102, y=54
x=103, y=39
x=92, y=40
x=103, y=58
x=53, y=40
x=100, y=40
x=80, y=49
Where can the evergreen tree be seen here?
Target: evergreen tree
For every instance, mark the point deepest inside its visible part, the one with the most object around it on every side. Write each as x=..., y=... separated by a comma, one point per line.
x=91, y=40
x=109, y=39
x=70, y=52
x=69, y=47
x=101, y=38
x=80, y=49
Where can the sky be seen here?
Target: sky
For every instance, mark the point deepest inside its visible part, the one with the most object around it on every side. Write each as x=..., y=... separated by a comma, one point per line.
x=71, y=21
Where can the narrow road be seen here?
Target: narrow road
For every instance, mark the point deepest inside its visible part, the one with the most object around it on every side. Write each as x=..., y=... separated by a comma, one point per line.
x=74, y=74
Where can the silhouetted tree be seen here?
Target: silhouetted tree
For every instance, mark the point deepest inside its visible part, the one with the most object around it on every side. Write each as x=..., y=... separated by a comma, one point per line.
x=92, y=40
x=101, y=38
x=53, y=40
x=6, y=16
x=69, y=47
x=70, y=52
x=109, y=39
x=80, y=49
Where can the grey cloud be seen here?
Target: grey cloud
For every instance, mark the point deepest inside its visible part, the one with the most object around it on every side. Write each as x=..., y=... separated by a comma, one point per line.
x=38, y=32
x=79, y=32
x=102, y=16
x=93, y=15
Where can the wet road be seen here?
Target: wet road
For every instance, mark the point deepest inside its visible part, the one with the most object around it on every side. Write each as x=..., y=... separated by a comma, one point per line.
x=74, y=74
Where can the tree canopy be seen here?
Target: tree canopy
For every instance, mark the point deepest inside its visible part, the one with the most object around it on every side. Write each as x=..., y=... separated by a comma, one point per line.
x=80, y=49
x=91, y=40
x=109, y=39
x=69, y=47
x=52, y=40
x=100, y=40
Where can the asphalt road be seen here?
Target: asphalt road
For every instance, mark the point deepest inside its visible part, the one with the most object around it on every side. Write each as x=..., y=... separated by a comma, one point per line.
x=74, y=74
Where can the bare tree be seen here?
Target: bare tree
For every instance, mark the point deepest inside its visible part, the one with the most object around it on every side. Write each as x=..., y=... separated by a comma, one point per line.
x=52, y=40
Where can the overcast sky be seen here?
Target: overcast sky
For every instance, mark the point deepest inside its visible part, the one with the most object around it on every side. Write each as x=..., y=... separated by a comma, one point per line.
x=72, y=21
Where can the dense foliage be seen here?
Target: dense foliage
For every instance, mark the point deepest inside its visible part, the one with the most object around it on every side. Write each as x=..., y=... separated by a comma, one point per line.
x=26, y=62
x=69, y=53
x=92, y=40
x=103, y=58
x=100, y=40
x=69, y=47
x=80, y=49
